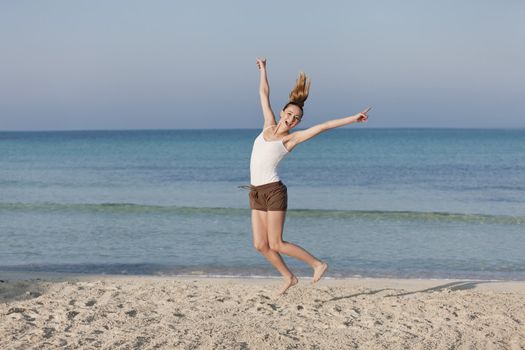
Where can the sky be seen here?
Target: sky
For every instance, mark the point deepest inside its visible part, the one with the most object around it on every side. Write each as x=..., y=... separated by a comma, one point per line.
x=70, y=65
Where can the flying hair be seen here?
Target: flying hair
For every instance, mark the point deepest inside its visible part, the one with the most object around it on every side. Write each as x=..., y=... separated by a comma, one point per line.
x=300, y=91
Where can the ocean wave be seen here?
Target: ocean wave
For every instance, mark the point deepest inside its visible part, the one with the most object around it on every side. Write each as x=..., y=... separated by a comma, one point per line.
x=133, y=208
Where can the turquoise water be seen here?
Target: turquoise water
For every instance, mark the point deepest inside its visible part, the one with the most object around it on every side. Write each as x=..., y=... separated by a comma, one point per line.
x=372, y=202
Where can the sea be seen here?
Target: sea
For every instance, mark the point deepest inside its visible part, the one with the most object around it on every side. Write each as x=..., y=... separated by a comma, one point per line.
x=403, y=203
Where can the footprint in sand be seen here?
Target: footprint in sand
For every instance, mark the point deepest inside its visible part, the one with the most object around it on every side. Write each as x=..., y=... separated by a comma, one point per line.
x=71, y=314
x=131, y=313
x=273, y=306
x=48, y=332
x=15, y=310
x=139, y=342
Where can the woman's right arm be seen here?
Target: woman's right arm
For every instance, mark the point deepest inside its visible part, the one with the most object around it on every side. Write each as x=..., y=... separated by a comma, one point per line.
x=304, y=135
x=264, y=91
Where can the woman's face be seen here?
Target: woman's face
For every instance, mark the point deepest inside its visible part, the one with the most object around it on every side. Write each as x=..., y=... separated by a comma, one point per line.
x=290, y=117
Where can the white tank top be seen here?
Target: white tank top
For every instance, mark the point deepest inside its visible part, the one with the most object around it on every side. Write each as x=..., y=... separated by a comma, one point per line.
x=265, y=159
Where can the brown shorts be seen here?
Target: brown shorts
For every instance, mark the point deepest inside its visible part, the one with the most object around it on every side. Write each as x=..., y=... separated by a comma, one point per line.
x=272, y=196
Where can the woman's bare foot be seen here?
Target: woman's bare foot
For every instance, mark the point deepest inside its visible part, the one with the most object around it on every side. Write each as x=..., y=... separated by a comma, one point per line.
x=319, y=271
x=287, y=284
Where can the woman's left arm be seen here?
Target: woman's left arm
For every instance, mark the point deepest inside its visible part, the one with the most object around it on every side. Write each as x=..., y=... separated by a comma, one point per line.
x=305, y=135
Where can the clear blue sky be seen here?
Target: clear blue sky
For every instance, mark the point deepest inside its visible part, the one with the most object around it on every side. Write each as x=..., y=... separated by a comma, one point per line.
x=191, y=64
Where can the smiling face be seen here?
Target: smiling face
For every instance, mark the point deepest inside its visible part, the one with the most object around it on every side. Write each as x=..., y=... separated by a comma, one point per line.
x=290, y=116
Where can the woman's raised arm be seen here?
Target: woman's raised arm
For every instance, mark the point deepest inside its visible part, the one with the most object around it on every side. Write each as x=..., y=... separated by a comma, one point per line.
x=264, y=91
x=304, y=135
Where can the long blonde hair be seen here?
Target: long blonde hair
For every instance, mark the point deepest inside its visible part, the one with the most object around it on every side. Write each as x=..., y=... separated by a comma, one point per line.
x=300, y=91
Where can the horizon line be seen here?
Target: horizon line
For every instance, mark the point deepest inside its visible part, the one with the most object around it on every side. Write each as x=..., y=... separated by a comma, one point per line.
x=257, y=128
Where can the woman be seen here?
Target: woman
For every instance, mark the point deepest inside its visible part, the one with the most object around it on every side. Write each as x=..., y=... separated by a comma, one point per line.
x=268, y=195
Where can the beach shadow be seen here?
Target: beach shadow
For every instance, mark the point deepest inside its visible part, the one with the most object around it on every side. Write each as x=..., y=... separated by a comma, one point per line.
x=20, y=290
x=23, y=285
x=354, y=295
x=458, y=285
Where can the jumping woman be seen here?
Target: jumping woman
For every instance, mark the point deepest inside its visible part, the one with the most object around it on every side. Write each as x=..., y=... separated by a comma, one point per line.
x=268, y=194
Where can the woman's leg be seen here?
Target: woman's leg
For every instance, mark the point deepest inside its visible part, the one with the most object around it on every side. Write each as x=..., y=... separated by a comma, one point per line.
x=260, y=242
x=275, y=240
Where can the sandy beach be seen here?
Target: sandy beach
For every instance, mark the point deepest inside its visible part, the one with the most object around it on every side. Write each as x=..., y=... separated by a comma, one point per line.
x=155, y=312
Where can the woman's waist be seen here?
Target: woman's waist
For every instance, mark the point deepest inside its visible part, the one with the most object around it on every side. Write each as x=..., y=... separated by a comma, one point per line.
x=262, y=186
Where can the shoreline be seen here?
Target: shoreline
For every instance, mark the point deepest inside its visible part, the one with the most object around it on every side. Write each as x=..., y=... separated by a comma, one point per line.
x=19, y=274
x=496, y=285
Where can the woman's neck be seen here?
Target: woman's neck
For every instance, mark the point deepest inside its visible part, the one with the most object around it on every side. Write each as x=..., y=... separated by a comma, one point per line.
x=277, y=132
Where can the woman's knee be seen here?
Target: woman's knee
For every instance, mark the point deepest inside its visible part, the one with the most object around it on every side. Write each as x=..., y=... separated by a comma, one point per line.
x=276, y=246
x=261, y=247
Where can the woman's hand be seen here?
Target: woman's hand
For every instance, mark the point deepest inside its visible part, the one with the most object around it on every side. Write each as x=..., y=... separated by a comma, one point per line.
x=362, y=116
x=261, y=63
